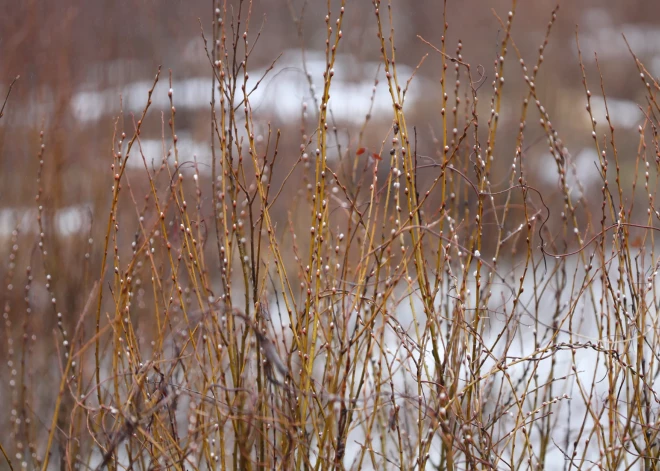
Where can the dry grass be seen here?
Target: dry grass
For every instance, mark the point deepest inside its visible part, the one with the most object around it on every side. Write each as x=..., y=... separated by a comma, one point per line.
x=348, y=307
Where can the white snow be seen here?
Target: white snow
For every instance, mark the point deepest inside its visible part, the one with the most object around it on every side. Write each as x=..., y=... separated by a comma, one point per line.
x=281, y=94
x=67, y=221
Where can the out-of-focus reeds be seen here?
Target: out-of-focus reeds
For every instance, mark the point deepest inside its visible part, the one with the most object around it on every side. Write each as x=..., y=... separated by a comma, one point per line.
x=343, y=306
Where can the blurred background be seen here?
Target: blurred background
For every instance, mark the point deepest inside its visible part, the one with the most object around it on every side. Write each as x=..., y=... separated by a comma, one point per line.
x=85, y=68
x=82, y=62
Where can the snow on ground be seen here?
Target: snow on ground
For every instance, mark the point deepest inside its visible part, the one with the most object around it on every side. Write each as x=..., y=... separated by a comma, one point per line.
x=68, y=220
x=280, y=94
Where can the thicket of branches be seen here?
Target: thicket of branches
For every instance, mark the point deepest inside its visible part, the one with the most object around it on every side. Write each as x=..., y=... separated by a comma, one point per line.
x=353, y=306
